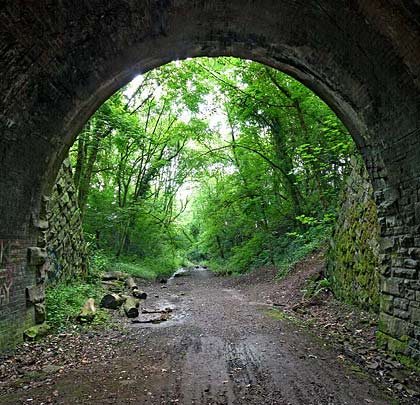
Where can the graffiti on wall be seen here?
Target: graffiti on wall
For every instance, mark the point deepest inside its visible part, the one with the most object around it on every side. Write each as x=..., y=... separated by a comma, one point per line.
x=6, y=275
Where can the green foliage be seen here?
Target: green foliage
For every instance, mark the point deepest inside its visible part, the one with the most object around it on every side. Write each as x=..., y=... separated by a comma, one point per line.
x=65, y=301
x=148, y=268
x=314, y=287
x=297, y=247
x=263, y=156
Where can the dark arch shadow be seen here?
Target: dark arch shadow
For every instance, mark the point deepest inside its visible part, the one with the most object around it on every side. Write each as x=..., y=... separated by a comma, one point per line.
x=60, y=64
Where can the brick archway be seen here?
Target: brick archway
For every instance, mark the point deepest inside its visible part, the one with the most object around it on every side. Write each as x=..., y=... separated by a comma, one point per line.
x=60, y=62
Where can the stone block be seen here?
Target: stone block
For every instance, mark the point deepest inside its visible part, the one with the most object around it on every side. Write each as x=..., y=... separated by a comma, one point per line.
x=415, y=315
x=410, y=264
x=395, y=327
x=35, y=294
x=387, y=303
x=401, y=313
x=410, y=295
x=417, y=332
x=401, y=303
x=392, y=286
x=42, y=225
x=404, y=273
x=36, y=256
x=414, y=284
x=36, y=332
x=390, y=196
x=407, y=241
x=387, y=244
x=414, y=252
x=41, y=273
x=40, y=313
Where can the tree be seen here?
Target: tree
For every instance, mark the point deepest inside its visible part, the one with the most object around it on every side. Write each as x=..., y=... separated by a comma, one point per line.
x=265, y=155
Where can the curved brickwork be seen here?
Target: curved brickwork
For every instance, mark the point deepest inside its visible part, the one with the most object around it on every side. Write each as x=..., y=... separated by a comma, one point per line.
x=58, y=63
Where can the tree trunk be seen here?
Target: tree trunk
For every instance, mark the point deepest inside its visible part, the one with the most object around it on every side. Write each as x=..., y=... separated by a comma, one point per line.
x=114, y=275
x=112, y=301
x=131, y=307
x=131, y=284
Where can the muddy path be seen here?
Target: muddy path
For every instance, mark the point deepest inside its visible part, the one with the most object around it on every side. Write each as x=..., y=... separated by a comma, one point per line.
x=219, y=347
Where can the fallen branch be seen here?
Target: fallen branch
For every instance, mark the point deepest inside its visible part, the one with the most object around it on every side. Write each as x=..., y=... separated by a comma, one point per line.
x=114, y=275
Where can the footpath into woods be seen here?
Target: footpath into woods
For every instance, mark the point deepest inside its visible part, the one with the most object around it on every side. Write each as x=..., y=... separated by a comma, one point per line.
x=227, y=341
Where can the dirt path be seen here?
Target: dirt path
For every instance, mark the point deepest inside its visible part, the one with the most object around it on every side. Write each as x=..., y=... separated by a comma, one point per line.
x=219, y=348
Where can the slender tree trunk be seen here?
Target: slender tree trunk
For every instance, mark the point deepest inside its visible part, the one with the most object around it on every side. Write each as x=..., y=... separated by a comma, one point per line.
x=220, y=246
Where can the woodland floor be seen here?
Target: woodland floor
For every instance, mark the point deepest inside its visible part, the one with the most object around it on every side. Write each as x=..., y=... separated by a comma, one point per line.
x=244, y=340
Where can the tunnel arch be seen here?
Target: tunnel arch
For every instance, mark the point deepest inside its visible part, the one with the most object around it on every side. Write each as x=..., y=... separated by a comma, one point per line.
x=60, y=63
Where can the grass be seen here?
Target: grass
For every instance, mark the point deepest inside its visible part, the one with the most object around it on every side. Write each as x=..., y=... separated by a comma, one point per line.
x=146, y=269
x=65, y=301
x=280, y=315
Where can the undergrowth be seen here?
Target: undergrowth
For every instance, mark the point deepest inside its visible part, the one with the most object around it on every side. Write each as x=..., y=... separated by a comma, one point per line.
x=298, y=247
x=283, y=252
x=148, y=269
x=65, y=300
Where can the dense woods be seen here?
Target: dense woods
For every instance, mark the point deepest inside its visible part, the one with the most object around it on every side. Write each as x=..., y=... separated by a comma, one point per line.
x=222, y=161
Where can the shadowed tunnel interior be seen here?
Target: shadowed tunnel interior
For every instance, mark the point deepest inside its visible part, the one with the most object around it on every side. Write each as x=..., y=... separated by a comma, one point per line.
x=60, y=63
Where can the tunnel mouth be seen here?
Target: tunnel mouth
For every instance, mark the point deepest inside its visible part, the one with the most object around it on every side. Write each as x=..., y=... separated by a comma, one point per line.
x=359, y=59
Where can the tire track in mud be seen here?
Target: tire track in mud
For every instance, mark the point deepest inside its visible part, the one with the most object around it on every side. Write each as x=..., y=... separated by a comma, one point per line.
x=223, y=350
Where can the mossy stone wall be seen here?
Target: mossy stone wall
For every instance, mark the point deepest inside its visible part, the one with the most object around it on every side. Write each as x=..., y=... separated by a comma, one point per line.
x=354, y=254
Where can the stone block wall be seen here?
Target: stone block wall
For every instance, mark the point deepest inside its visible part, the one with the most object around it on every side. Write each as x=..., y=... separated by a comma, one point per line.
x=374, y=261
x=354, y=254
x=65, y=245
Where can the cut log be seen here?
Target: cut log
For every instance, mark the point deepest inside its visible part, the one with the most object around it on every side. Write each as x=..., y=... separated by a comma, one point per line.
x=139, y=294
x=112, y=301
x=88, y=311
x=109, y=283
x=131, y=307
x=132, y=286
x=114, y=275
